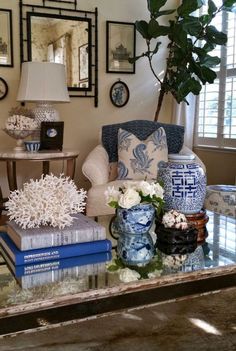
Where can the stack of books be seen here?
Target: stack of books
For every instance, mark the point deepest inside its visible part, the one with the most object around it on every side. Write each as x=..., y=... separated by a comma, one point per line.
x=43, y=255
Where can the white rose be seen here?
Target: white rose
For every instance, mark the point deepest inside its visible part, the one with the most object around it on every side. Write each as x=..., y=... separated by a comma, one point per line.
x=146, y=188
x=112, y=194
x=127, y=275
x=159, y=191
x=129, y=199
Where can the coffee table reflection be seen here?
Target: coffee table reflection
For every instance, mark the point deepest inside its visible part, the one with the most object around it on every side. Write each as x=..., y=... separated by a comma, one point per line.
x=84, y=291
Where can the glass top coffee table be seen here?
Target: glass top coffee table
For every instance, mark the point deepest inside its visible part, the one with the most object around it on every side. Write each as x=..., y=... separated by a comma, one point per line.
x=53, y=298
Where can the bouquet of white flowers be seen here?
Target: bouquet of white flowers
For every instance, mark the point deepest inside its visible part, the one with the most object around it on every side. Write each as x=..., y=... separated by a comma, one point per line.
x=133, y=193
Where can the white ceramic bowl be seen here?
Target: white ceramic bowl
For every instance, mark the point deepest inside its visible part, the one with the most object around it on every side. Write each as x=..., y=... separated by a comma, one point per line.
x=32, y=145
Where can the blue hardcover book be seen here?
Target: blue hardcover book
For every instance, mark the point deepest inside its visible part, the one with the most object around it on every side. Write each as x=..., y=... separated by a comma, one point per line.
x=47, y=266
x=52, y=253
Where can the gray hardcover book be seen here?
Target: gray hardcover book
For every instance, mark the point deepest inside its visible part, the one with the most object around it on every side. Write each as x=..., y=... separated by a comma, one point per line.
x=83, y=229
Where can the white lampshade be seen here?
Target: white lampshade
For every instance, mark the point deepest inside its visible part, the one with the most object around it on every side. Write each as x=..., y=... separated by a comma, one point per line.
x=43, y=81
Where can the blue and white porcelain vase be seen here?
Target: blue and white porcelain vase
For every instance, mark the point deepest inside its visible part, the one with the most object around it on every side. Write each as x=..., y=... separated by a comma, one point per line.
x=135, y=244
x=184, y=186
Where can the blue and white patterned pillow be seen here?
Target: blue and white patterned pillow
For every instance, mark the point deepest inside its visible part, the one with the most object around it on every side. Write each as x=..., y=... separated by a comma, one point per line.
x=139, y=159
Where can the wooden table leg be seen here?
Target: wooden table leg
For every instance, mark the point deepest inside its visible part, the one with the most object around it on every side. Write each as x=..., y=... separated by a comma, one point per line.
x=46, y=167
x=70, y=167
x=11, y=175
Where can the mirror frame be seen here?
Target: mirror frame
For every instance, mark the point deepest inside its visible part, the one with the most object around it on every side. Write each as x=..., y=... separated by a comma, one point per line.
x=64, y=10
x=30, y=15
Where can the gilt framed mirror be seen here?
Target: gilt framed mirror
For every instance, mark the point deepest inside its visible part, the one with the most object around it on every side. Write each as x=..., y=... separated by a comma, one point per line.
x=59, y=32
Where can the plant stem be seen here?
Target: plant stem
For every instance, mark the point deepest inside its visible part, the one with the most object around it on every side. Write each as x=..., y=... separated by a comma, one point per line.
x=150, y=63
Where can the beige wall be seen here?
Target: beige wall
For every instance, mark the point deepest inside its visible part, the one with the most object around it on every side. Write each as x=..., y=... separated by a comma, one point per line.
x=220, y=165
x=82, y=120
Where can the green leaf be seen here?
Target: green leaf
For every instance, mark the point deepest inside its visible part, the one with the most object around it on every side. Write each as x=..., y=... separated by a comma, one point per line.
x=214, y=36
x=156, y=47
x=209, y=47
x=113, y=268
x=189, y=6
x=179, y=35
x=231, y=8
x=113, y=204
x=228, y=3
x=204, y=19
x=197, y=69
x=164, y=13
x=188, y=86
x=196, y=87
x=211, y=7
x=209, y=74
x=142, y=28
x=200, y=52
x=155, y=5
x=192, y=25
x=210, y=61
x=205, y=74
x=155, y=30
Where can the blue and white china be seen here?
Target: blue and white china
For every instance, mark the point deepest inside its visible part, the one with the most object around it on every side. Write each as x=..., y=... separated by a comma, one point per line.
x=131, y=228
x=135, y=249
x=32, y=146
x=135, y=220
x=184, y=186
x=221, y=199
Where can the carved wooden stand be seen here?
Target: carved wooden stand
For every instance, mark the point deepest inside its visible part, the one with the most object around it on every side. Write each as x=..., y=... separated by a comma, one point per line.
x=199, y=221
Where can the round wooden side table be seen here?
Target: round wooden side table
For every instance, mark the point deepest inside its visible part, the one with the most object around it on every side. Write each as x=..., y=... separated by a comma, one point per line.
x=11, y=157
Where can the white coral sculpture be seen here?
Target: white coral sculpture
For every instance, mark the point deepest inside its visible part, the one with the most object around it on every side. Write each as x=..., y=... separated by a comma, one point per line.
x=18, y=122
x=49, y=200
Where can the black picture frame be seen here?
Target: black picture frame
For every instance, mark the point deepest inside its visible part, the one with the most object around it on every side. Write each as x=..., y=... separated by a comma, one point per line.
x=35, y=16
x=119, y=94
x=51, y=135
x=120, y=46
x=3, y=88
x=61, y=9
x=6, y=38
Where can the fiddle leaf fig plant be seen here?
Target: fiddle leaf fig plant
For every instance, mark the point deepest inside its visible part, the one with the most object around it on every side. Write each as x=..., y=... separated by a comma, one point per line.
x=191, y=40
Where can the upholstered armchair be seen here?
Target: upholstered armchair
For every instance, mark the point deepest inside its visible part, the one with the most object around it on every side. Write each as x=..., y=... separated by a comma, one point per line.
x=100, y=166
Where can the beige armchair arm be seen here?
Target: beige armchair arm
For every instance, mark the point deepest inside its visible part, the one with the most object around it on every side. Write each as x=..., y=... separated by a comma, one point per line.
x=96, y=166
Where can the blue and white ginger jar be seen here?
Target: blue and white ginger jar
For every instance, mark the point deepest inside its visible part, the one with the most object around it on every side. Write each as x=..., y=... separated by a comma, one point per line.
x=184, y=186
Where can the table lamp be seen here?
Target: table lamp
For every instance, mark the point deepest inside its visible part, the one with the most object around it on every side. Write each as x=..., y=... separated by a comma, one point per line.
x=43, y=83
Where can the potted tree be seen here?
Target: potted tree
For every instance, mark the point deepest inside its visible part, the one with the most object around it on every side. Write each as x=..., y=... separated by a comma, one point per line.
x=191, y=42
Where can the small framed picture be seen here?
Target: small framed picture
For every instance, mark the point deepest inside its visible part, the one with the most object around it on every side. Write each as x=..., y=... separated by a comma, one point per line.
x=120, y=46
x=51, y=135
x=119, y=94
x=3, y=88
x=6, y=45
